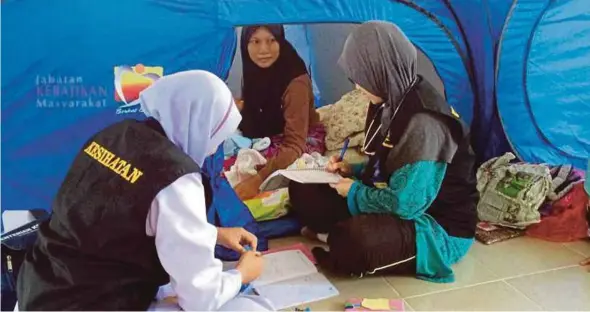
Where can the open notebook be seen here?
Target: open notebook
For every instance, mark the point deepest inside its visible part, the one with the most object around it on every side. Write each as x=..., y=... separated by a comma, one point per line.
x=290, y=279
x=280, y=178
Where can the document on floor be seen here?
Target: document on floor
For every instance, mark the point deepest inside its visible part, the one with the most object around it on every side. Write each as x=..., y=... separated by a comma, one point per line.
x=290, y=279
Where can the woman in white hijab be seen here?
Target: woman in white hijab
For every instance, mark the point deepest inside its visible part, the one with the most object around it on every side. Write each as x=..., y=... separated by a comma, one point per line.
x=131, y=214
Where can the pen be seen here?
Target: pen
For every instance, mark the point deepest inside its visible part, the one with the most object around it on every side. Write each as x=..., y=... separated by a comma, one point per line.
x=249, y=248
x=246, y=288
x=344, y=148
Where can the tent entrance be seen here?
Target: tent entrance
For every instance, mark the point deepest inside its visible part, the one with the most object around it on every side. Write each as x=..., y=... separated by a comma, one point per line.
x=320, y=46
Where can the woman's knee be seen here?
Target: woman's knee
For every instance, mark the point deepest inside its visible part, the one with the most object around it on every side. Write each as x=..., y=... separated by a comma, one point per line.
x=301, y=198
x=365, y=243
x=314, y=199
x=317, y=206
x=363, y=231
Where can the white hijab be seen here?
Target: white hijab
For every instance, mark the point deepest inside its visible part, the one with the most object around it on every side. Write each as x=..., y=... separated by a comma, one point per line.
x=196, y=111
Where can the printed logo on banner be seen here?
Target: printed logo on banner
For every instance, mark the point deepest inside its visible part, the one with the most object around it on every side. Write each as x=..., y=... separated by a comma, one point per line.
x=65, y=91
x=130, y=81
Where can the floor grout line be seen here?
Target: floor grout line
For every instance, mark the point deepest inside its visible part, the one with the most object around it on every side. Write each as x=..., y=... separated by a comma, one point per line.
x=529, y=298
x=391, y=286
x=451, y=289
x=574, y=250
x=408, y=306
x=502, y=279
x=541, y=272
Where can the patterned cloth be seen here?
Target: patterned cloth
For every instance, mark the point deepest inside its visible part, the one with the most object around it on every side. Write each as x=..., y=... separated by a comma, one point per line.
x=314, y=143
x=511, y=193
x=345, y=119
x=564, y=178
x=567, y=219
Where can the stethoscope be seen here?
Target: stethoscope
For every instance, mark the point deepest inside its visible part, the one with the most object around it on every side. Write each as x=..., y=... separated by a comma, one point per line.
x=367, y=144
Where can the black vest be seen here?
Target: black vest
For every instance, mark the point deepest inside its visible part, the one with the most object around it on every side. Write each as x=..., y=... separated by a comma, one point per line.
x=93, y=253
x=455, y=207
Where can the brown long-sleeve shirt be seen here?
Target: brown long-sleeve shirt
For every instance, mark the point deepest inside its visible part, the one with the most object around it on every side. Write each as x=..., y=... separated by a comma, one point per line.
x=300, y=114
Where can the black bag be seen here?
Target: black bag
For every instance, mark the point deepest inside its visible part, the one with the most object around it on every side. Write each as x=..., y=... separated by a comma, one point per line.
x=15, y=245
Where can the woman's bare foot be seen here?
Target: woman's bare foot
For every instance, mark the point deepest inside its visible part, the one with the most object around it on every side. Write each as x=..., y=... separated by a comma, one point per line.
x=309, y=234
x=323, y=238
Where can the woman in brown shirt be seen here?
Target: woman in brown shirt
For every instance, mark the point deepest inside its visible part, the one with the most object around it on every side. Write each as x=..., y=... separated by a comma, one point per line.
x=278, y=102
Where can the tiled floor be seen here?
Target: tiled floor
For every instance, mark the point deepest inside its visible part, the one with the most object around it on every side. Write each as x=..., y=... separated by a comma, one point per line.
x=522, y=274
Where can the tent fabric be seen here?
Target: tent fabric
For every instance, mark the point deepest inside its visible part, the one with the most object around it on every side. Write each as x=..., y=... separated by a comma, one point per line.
x=61, y=59
x=497, y=11
x=543, y=90
x=297, y=36
x=487, y=133
x=64, y=54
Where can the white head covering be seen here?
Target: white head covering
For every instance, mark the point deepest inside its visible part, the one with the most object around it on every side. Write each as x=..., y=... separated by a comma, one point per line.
x=196, y=111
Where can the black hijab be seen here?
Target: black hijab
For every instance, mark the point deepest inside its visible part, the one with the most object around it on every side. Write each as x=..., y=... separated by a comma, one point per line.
x=263, y=88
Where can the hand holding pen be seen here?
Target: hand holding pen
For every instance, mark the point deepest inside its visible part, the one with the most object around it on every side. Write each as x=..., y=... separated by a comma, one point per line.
x=338, y=165
x=250, y=265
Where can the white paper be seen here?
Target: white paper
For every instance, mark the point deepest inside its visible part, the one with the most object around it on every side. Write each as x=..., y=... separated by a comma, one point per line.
x=290, y=279
x=284, y=265
x=298, y=291
x=312, y=176
x=280, y=179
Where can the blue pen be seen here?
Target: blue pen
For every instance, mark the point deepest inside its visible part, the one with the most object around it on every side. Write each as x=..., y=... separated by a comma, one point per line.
x=247, y=288
x=344, y=148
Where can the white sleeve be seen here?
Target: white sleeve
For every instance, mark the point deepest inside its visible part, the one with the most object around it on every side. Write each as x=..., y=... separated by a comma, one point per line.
x=185, y=243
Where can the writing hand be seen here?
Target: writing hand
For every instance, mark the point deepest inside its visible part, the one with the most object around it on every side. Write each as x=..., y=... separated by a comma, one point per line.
x=337, y=166
x=250, y=266
x=343, y=186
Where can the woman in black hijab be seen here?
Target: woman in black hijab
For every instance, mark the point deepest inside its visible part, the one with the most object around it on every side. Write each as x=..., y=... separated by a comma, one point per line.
x=278, y=103
x=411, y=208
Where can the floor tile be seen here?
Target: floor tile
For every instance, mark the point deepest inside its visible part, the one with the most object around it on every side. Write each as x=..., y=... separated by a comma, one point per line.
x=477, y=287
x=408, y=306
x=524, y=255
x=368, y=287
x=467, y=272
x=581, y=247
x=496, y=296
x=560, y=290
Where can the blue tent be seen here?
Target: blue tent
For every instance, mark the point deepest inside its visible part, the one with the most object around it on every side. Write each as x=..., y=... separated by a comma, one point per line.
x=60, y=59
x=543, y=80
